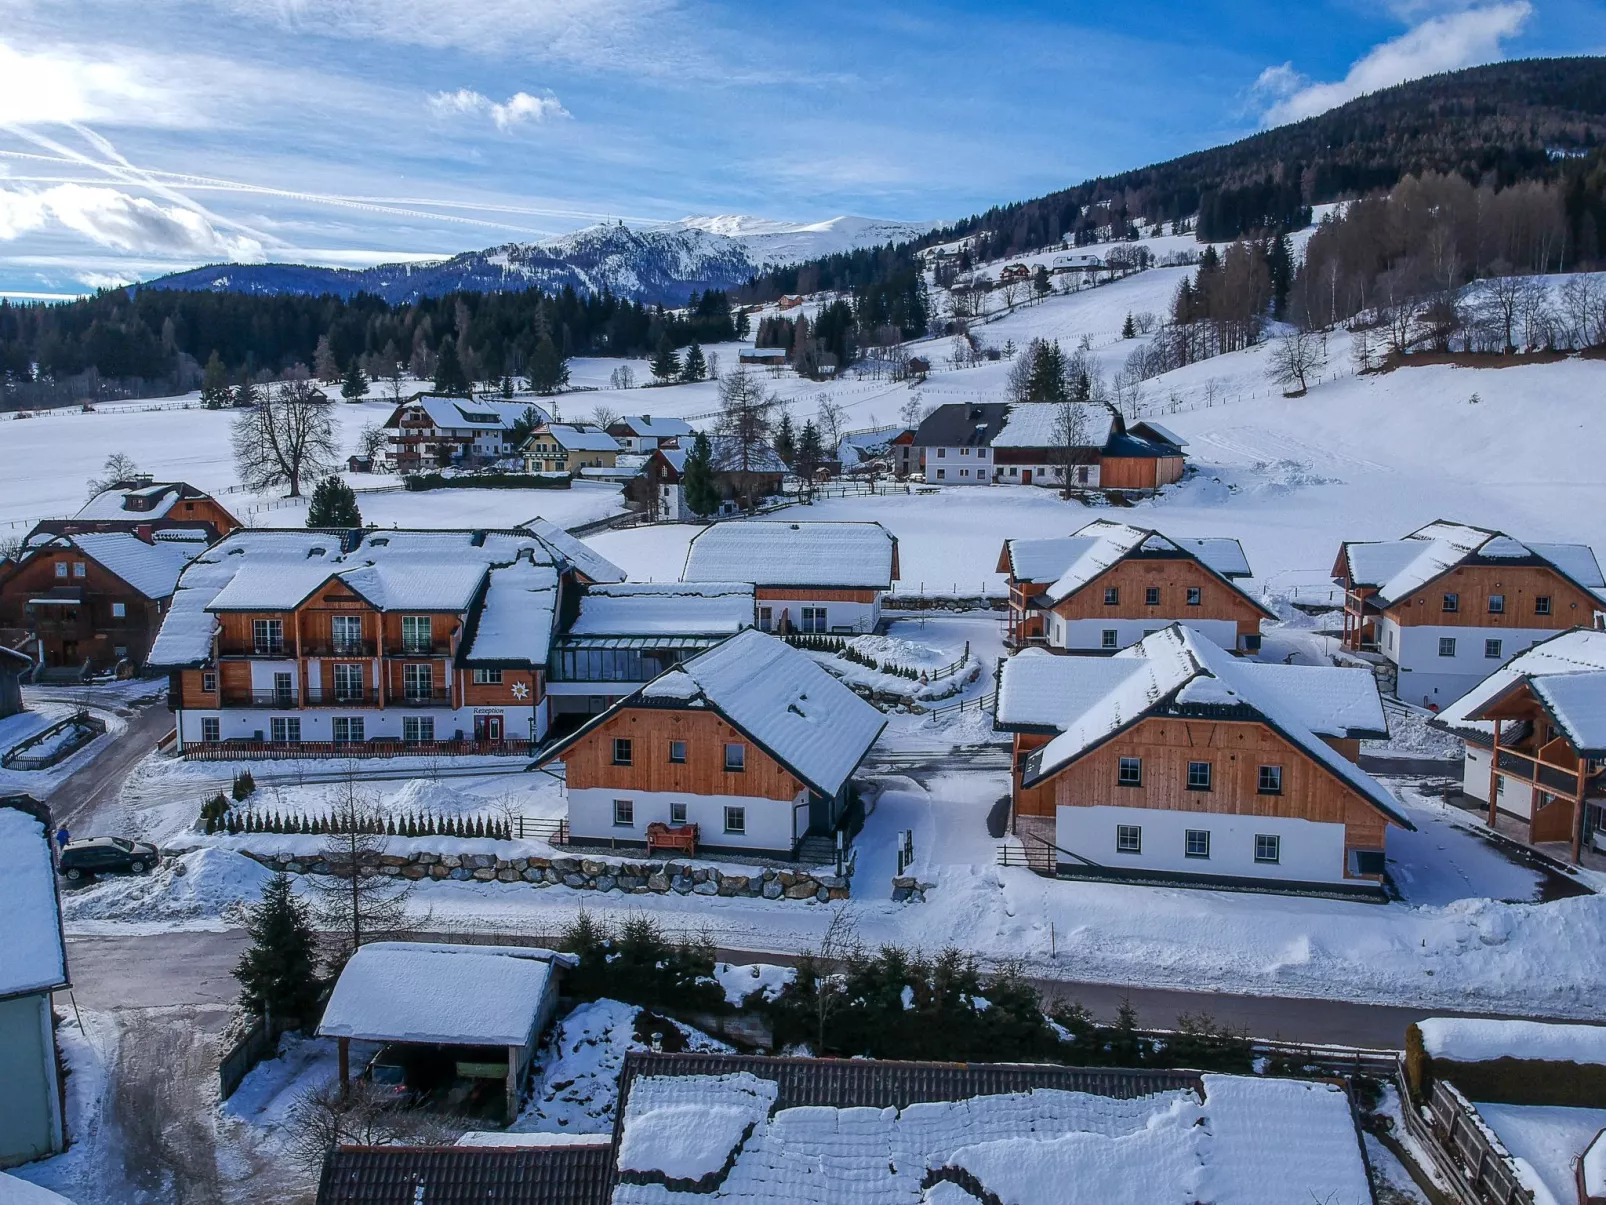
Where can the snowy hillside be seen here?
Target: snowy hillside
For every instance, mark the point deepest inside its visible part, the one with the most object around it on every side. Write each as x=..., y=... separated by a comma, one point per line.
x=653, y=264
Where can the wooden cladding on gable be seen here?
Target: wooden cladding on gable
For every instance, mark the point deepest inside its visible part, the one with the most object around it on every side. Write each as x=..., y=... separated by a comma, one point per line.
x=1517, y=586
x=590, y=761
x=1133, y=578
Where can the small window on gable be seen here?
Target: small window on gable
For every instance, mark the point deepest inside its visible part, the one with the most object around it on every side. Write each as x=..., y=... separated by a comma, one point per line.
x=735, y=758
x=1198, y=776
x=1130, y=773
x=1270, y=780
x=1151, y=596
x=1541, y=604
x=677, y=751
x=79, y=569
x=1195, y=596
x=1452, y=602
x=1112, y=596
x=61, y=568
x=1497, y=604
x=621, y=751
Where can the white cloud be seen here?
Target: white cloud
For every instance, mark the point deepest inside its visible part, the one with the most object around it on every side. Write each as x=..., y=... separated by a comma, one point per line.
x=517, y=109
x=1446, y=42
x=60, y=85
x=120, y=221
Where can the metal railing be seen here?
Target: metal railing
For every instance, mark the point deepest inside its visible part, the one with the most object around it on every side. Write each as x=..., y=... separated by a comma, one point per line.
x=417, y=696
x=281, y=750
x=338, y=648
x=283, y=700
x=552, y=830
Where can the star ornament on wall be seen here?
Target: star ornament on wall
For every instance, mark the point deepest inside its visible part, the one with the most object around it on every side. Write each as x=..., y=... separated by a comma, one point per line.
x=520, y=690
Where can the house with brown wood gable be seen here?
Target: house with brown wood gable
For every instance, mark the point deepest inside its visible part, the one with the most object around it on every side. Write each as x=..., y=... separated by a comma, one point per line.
x=1175, y=761
x=145, y=506
x=1449, y=603
x=1109, y=584
x=1535, y=738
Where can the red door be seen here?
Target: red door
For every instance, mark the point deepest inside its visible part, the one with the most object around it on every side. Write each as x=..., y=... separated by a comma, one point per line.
x=488, y=727
x=1026, y=476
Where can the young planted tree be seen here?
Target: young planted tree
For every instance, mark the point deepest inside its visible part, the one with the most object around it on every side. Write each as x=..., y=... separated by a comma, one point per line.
x=697, y=478
x=278, y=973
x=246, y=394
x=215, y=393
x=665, y=363
x=810, y=455
x=289, y=438
x=694, y=368
x=355, y=385
x=333, y=504
x=451, y=378
x=353, y=907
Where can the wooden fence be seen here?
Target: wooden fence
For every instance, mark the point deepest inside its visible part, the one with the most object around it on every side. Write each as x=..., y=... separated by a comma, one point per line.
x=342, y=750
x=1484, y=1163
x=260, y=1041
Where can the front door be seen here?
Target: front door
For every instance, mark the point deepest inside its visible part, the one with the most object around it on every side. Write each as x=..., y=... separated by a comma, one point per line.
x=488, y=728
x=1026, y=476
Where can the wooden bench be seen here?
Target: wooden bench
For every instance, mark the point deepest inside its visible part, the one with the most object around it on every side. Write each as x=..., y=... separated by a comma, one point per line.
x=681, y=839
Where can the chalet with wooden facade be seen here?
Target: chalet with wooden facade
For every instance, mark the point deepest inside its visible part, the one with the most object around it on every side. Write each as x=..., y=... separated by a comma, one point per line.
x=1038, y=443
x=1449, y=603
x=432, y=430
x=1174, y=760
x=751, y=744
x=569, y=448
x=346, y=643
x=807, y=577
x=643, y=432
x=1110, y=584
x=92, y=601
x=741, y=480
x=1535, y=736
x=142, y=505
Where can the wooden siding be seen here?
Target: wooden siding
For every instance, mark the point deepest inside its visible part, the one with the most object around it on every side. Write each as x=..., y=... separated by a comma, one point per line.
x=88, y=631
x=807, y=594
x=1138, y=472
x=1030, y=801
x=1134, y=575
x=1236, y=751
x=1520, y=584
x=589, y=762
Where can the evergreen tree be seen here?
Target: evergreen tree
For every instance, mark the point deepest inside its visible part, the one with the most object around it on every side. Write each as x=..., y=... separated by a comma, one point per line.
x=785, y=439
x=214, y=383
x=1280, y=264
x=355, y=385
x=246, y=394
x=697, y=478
x=665, y=363
x=450, y=378
x=1129, y=328
x=549, y=372
x=333, y=504
x=744, y=325
x=323, y=362
x=695, y=367
x=810, y=454
x=277, y=973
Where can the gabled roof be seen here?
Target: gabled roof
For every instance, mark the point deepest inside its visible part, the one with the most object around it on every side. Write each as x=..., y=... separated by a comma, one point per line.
x=513, y=625
x=860, y=556
x=962, y=425
x=1040, y=425
x=775, y=694
x=584, y=559
x=1567, y=675
x=664, y=608
x=1175, y=672
x=35, y=959
x=577, y=437
x=1396, y=569
x=645, y=426
x=1148, y=429
x=725, y=455
x=569, y=1174
x=137, y=499
x=471, y=414
x=151, y=568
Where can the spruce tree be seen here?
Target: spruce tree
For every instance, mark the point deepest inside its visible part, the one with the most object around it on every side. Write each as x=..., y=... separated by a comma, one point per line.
x=355, y=385
x=450, y=378
x=246, y=394
x=786, y=440
x=214, y=383
x=323, y=362
x=277, y=973
x=333, y=504
x=548, y=371
x=697, y=478
x=1129, y=328
x=665, y=363
x=695, y=367
x=810, y=454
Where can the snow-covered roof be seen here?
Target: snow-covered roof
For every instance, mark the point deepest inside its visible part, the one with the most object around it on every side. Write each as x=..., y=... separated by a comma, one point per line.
x=1037, y=689
x=1474, y=1040
x=584, y=559
x=847, y=555
x=140, y=501
x=1165, y=433
x=34, y=960
x=1567, y=673
x=514, y=624
x=471, y=414
x=1041, y=425
x=152, y=569
x=665, y=608
x=645, y=426
x=779, y=696
x=1398, y=568
x=1051, y=558
x=1249, y=1141
x=1175, y=668
x=402, y=991
x=577, y=437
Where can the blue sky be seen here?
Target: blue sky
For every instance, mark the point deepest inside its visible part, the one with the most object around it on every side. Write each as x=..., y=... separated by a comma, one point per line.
x=137, y=138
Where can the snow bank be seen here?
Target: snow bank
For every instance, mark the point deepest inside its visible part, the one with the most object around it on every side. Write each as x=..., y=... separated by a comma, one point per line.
x=739, y=982
x=1472, y=1040
x=503, y=1138
x=198, y=886
x=1545, y=1141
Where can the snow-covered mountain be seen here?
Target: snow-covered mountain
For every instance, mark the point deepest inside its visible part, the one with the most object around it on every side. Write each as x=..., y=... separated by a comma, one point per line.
x=659, y=263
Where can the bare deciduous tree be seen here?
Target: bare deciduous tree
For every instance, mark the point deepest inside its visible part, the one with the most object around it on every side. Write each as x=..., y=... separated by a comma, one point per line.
x=832, y=418
x=604, y=416
x=288, y=439
x=118, y=467
x=357, y=904
x=746, y=418
x=1295, y=357
x=622, y=378
x=362, y=1114
x=371, y=441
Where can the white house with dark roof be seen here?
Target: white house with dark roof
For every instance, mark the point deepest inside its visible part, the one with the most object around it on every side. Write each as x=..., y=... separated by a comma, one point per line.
x=1449, y=603
x=1109, y=584
x=33, y=964
x=643, y=432
x=808, y=576
x=751, y=742
x=1174, y=760
x=1535, y=737
x=740, y=477
x=432, y=428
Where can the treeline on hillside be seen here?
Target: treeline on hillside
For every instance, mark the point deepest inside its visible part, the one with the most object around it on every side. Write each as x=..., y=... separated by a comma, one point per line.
x=152, y=341
x=1505, y=123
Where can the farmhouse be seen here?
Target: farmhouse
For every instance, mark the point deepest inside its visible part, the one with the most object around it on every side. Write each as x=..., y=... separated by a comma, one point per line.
x=352, y=643
x=1535, y=736
x=432, y=430
x=764, y=357
x=809, y=577
x=1450, y=602
x=34, y=966
x=141, y=504
x=751, y=743
x=871, y=451
x=568, y=448
x=643, y=432
x=1174, y=760
x=741, y=480
x=1110, y=584
x=92, y=601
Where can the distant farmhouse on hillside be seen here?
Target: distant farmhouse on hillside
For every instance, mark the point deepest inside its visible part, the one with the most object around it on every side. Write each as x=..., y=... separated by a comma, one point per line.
x=432, y=430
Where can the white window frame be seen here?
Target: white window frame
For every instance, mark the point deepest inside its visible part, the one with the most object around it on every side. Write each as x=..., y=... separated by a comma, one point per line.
x=1447, y=646
x=487, y=677
x=1268, y=849
x=1205, y=782
x=119, y=610
x=624, y=813
x=1133, y=763
x=739, y=764
x=1196, y=843
x=735, y=819
x=1129, y=838
x=1111, y=639
x=1265, y=775
x=1491, y=650
x=285, y=729
x=211, y=729
x=418, y=729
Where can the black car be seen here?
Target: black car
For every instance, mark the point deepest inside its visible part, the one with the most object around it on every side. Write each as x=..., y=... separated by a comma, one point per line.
x=106, y=855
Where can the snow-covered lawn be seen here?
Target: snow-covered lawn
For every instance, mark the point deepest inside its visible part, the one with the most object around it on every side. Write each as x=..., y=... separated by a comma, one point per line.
x=39, y=716
x=1544, y=1140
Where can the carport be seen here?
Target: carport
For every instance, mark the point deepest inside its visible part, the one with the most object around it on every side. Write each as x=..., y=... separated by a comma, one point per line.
x=439, y=995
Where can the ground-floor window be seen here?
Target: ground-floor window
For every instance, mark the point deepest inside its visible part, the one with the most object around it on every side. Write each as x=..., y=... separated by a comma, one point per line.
x=735, y=820
x=1447, y=646
x=347, y=729
x=1268, y=847
x=766, y=619
x=1197, y=843
x=1128, y=839
x=814, y=619
x=1111, y=639
x=677, y=813
x=624, y=813
x=285, y=729
x=418, y=728
x=1491, y=649
x=211, y=729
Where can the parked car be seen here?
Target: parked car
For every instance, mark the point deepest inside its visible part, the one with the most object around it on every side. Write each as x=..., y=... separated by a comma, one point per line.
x=106, y=855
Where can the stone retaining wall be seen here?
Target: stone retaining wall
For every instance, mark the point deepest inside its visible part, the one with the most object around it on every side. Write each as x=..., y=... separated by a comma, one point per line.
x=578, y=873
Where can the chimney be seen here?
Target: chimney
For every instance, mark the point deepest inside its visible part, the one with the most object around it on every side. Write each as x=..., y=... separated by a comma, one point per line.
x=143, y=531
x=647, y=418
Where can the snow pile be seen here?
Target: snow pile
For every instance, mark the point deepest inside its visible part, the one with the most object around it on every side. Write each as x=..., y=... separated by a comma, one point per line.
x=1471, y=1040
x=689, y=1127
x=908, y=653
x=503, y=1138
x=15, y=1191
x=740, y=981
x=1595, y=1167
x=427, y=992
x=34, y=960
x=1545, y=1141
x=198, y=886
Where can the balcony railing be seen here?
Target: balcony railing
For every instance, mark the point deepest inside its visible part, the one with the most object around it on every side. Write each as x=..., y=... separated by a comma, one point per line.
x=418, y=696
x=422, y=648
x=281, y=700
x=339, y=695
x=1555, y=779
x=338, y=648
